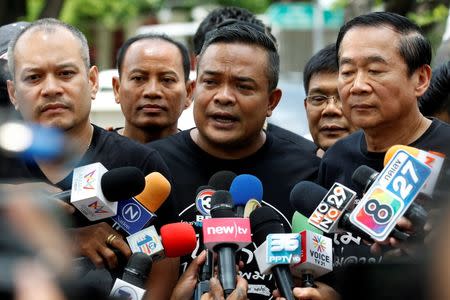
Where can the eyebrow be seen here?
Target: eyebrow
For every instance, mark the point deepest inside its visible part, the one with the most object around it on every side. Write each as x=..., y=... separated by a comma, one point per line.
x=239, y=78
x=321, y=90
x=61, y=66
x=369, y=59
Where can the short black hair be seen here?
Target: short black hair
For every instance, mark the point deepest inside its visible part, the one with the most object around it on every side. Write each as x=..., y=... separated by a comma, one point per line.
x=250, y=34
x=323, y=61
x=220, y=15
x=436, y=99
x=155, y=36
x=413, y=47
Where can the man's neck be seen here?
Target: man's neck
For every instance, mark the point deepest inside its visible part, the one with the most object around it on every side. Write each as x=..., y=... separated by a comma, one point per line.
x=78, y=140
x=380, y=139
x=147, y=135
x=227, y=152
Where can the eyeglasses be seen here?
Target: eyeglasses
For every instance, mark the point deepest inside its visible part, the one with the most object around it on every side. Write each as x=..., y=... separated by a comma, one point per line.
x=321, y=101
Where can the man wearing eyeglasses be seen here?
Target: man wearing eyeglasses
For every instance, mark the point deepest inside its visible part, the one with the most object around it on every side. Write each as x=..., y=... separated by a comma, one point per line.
x=326, y=121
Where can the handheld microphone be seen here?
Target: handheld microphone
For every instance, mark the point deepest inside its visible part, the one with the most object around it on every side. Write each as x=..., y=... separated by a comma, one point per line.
x=135, y=213
x=316, y=258
x=222, y=180
x=177, y=239
x=245, y=187
x=225, y=234
x=264, y=221
x=365, y=176
x=88, y=194
x=132, y=284
x=390, y=195
x=112, y=183
x=32, y=141
x=306, y=195
x=327, y=214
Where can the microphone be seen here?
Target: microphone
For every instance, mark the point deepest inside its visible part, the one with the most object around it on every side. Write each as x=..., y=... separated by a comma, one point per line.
x=225, y=234
x=135, y=213
x=327, y=214
x=390, y=195
x=316, y=257
x=245, y=187
x=265, y=222
x=432, y=159
x=132, y=284
x=29, y=141
x=305, y=197
x=300, y=223
x=95, y=190
x=221, y=180
x=365, y=176
x=177, y=239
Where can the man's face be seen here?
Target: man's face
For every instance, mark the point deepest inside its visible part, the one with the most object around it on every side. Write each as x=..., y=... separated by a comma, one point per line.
x=152, y=91
x=52, y=86
x=327, y=123
x=232, y=99
x=373, y=82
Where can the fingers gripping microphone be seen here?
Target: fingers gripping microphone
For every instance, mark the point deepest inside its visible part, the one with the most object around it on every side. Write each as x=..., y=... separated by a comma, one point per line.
x=265, y=222
x=95, y=190
x=225, y=234
x=244, y=188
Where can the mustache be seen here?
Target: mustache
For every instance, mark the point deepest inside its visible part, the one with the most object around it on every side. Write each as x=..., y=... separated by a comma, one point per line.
x=51, y=103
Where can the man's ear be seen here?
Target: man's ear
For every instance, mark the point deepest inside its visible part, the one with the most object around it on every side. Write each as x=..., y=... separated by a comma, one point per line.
x=422, y=80
x=116, y=88
x=190, y=86
x=274, y=99
x=12, y=94
x=93, y=81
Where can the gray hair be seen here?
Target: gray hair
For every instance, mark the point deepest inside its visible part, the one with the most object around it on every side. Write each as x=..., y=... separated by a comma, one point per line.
x=49, y=25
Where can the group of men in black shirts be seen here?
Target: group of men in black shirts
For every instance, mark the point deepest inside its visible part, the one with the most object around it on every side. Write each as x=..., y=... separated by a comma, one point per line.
x=383, y=67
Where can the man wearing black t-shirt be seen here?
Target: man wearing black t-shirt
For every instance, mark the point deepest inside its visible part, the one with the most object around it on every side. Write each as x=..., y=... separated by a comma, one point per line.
x=236, y=89
x=383, y=68
x=54, y=86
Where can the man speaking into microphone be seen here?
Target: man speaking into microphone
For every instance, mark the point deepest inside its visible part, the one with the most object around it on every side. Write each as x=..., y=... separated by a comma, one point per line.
x=54, y=86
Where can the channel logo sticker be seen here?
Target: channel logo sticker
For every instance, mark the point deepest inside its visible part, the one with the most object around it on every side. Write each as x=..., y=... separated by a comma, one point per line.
x=97, y=208
x=203, y=201
x=319, y=243
x=89, y=180
x=390, y=195
x=283, y=248
x=146, y=241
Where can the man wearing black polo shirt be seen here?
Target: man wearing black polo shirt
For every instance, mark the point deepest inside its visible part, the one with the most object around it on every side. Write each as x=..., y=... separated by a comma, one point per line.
x=53, y=86
x=383, y=68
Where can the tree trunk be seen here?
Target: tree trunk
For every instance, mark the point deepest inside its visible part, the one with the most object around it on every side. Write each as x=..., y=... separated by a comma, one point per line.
x=51, y=9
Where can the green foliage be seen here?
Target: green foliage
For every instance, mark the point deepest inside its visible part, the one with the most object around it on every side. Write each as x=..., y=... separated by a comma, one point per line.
x=111, y=13
x=256, y=7
x=429, y=17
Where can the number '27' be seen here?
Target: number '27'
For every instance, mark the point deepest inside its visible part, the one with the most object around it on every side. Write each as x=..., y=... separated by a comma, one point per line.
x=400, y=184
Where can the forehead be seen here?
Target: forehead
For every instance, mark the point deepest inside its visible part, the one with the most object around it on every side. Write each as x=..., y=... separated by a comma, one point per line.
x=47, y=45
x=153, y=48
x=235, y=57
x=366, y=41
x=323, y=79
